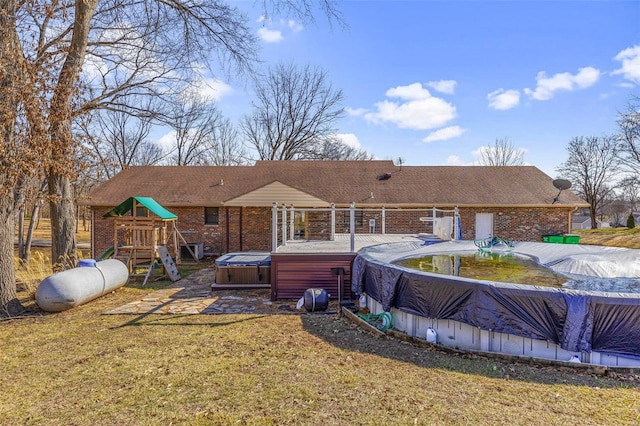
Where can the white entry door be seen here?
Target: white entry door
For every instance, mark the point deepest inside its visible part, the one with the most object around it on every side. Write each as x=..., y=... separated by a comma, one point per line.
x=484, y=225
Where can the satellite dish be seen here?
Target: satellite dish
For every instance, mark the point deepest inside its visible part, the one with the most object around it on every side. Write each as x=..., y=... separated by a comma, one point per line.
x=561, y=185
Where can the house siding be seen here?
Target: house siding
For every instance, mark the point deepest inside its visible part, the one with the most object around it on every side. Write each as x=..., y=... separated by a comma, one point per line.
x=519, y=224
x=249, y=228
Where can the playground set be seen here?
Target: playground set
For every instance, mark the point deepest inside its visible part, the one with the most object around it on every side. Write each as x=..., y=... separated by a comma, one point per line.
x=145, y=235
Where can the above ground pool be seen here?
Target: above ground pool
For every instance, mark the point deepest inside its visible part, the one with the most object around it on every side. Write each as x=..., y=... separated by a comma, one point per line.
x=599, y=327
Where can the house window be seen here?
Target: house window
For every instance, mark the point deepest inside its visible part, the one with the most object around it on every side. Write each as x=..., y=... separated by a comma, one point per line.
x=359, y=218
x=211, y=215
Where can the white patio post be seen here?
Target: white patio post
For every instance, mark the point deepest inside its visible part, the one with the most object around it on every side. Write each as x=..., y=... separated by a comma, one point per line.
x=384, y=218
x=333, y=222
x=457, y=235
x=274, y=227
x=284, y=224
x=352, y=226
x=292, y=230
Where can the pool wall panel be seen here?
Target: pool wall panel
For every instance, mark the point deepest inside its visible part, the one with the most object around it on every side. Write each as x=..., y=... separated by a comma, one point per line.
x=454, y=334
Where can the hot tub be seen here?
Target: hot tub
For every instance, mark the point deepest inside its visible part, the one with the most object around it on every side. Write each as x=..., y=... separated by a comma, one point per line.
x=243, y=269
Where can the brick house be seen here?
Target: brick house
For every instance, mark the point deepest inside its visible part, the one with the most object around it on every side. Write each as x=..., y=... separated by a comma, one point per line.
x=229, y=208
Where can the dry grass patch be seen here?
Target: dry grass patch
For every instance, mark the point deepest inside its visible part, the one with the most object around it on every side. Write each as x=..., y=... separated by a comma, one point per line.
x=80, y=367
x=42, y=231
x=614, y=237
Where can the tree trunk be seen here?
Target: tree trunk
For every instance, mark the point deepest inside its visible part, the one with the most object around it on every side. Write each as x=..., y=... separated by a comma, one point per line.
x=35, y=217
x=21, y=233
x=9, y=93
x=33, y=223
x=592, y=214
x=61, y=170
x=63, y=237
x=9, y=303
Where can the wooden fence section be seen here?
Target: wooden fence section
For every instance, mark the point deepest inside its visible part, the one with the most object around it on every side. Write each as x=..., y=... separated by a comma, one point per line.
x=292, y=274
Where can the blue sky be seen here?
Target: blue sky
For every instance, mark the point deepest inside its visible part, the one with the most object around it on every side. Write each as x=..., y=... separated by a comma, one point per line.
x=434, y=81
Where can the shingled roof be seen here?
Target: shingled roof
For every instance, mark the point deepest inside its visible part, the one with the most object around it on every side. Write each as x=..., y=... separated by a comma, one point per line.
x=373, y=183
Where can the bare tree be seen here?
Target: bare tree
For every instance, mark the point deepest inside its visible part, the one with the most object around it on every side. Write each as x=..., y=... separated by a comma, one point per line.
x=630, y=191
x=295, y=113
x=303, y=10
x=502, y=153
x=592, y=166
x=144, y=48
x=19, y=146
x=118, y=139
x=35, y=198
x=224, y=147
x=334, y=149
x=193, y=120
x=629, y=136
x=133, y=47
x=616, y=211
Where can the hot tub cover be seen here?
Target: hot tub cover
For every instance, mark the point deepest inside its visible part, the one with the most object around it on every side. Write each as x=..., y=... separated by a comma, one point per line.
x=577, y=320
x=253, y=258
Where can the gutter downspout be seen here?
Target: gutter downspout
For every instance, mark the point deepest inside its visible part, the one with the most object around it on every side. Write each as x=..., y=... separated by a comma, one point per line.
x=226, y=212
x=241, y=220
x=571, y=215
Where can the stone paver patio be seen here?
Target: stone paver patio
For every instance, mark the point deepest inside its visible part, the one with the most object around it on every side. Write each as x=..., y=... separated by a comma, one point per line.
x=193, y=295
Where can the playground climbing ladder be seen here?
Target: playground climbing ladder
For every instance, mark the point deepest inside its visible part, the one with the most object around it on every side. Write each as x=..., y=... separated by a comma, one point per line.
x=169, y=265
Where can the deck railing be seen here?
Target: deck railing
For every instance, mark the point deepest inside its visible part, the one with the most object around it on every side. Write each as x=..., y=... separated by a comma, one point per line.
x=287, y=225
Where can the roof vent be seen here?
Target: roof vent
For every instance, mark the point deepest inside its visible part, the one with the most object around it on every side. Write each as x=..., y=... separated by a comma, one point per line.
x=384, y=176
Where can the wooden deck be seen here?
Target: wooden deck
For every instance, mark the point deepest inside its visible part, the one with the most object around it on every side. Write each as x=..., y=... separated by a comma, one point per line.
x=302, y=264
x=342, y=242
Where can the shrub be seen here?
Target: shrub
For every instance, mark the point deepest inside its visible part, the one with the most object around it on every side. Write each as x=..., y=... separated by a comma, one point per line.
x=631, y=221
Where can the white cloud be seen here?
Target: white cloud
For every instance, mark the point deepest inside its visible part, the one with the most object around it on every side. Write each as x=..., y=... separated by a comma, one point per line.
x=168, y=140
x=272, y=32
x=350, y=140
x=546, y=86
x=444, y=134
x=454, y=160
x=212, y=88
x=418, y=109
x=503, y=99
x=626, y=85
x=413, y=91
x=630, y=59
x=294, y=26
x=443, y=86
x=94, y=67
x=355, y=111
x=269, y=35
